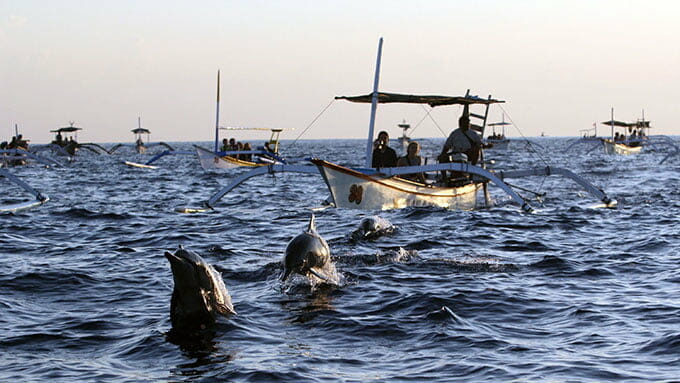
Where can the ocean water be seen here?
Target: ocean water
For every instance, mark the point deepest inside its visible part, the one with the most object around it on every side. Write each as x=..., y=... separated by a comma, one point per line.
x=567, y=293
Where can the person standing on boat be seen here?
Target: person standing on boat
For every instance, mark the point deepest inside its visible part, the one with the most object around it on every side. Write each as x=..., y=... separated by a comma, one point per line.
x=383, y=155
x=412, y=159
x=462, y=140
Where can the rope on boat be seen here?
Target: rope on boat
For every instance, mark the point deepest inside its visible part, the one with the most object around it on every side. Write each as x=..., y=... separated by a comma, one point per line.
x=311, y=123
x=531, y=146
x=433, y=120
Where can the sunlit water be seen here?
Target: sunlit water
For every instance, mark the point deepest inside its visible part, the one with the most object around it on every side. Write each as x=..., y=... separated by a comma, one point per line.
x=566, y=293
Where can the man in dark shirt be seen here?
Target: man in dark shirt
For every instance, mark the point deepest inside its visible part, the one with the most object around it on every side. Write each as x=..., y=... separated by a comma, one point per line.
x=383, y=155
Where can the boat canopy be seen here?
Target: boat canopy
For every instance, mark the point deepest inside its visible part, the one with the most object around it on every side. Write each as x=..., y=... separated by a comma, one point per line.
x=385, y=98
x=66, y=129
x=140, y=131
x=500, y=123
x=636, y=124
x=248, y=128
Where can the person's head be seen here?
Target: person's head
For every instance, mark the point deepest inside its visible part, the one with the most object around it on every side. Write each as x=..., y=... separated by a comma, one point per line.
x=383, y=137
x=464, y=122
x=224, y=141
x=232, y=141
x=239, y=145
x=246, y=146
x=413, y=148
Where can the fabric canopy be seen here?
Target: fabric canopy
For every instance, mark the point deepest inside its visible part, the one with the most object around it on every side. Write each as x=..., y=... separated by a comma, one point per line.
x=615, y=123
x=66, y=129
x=385, y=98
x=499, y=123
x=140, y=131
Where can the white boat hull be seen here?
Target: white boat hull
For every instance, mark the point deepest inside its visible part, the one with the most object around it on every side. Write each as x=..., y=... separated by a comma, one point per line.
x=611, y=147
x=354, y=190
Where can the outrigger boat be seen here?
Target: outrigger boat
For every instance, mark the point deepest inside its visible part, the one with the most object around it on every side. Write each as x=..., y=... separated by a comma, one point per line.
x=381, y=189
x=404, y=140
x=627, y=138
x=69, y=146
x=141, y=147
x=498, y=140
x=234, y=157
x=39, y=198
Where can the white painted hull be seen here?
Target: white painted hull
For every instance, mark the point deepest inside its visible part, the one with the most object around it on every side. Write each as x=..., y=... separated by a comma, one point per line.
x=614, y=148
x=354, y=190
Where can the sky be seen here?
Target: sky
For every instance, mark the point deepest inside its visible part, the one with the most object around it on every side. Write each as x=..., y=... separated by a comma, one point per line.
x=560, y=66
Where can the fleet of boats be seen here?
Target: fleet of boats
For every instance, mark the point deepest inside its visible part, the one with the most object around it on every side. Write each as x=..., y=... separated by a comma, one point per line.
x=352, y=187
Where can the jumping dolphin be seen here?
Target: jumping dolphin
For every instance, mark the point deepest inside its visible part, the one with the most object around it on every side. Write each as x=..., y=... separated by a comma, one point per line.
x=199, y=292
x=373, y=227
x=308, y=253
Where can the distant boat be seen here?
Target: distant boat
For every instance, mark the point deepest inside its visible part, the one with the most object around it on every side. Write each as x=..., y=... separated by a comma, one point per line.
x=498, y=140
x=404, y=140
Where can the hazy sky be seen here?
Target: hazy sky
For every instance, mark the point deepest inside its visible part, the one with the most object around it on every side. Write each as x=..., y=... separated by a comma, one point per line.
x=560, y=65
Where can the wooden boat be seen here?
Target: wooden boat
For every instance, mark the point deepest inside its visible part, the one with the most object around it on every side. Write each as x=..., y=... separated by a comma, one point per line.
x=353, y=189
x=626, y=138
x=498, y=140
x=234, y=157
x=404, y=139
x=378, y=189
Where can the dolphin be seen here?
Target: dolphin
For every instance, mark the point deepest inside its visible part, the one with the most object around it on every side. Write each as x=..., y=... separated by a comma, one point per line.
x=373, y=227
x=307, y=253
x=199, y=293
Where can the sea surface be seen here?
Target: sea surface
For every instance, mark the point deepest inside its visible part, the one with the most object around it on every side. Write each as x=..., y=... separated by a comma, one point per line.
x=567, y=293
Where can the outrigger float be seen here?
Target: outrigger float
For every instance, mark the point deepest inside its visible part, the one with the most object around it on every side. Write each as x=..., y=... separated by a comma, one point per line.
x=381, y=189
x=626, y=138
x=39, y=198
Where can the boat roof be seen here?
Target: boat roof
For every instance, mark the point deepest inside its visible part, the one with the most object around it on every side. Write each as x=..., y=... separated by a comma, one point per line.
x=432, y=100
x=66, y=129
x=140, y=131
x=499, y=123
x=246, y=128
x=643, y=124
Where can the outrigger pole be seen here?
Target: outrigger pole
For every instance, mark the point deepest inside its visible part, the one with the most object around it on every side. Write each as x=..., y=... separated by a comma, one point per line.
x=374, y=106
x=217, y=114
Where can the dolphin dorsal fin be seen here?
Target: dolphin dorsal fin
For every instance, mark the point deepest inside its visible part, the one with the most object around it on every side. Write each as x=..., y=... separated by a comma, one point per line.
x=312, y=224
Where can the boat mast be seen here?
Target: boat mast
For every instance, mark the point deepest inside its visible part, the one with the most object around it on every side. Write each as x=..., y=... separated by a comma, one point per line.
x=612, y=124
x=217, y=114
x=374, y=106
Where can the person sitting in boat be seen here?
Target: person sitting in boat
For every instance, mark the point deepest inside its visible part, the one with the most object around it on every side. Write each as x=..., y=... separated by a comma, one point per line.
x=462, y=140
x=232, y=144
x=412, y=158
x=225, y=145
x=239, y=147
x=247, y=157
x=383, y=155
x=139, y=142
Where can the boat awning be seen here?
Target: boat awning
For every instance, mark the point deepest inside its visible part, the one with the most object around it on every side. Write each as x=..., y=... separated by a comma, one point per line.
x=615, y=123
x=66, y=129
x=499, y=123
x=140, y=131
x=386, y=98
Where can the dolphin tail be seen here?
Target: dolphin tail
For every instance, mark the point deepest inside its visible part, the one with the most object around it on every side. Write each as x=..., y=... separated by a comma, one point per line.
x=312, y=224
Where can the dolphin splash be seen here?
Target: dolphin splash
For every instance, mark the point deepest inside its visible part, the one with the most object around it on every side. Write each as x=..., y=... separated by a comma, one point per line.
x=199, y=293
x=308, y=254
